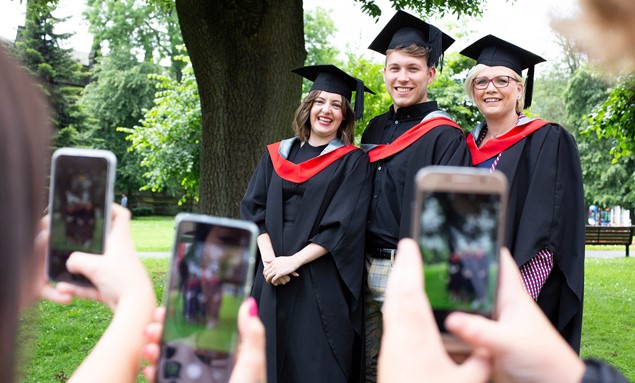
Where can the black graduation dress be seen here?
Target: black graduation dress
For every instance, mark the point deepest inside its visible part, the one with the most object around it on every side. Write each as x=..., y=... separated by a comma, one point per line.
x=390, y=215
x=545, y=211
x=313, y=323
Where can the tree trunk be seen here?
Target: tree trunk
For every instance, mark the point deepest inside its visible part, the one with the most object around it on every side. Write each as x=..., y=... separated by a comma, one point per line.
x=242, y=52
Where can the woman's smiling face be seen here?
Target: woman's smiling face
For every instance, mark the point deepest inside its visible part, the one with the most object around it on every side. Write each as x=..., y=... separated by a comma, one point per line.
x=496, y=102
x=326, y=115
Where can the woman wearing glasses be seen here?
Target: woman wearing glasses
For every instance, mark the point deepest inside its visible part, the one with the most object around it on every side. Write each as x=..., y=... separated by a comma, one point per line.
x=545, y=214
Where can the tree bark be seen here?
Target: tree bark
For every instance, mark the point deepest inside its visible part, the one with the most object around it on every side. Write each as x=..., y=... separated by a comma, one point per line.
x=242, y=52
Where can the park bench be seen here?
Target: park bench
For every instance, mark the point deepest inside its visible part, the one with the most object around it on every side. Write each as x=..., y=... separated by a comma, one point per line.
x=609, y=235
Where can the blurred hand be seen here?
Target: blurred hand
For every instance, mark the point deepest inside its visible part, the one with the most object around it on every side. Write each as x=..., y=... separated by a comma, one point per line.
x=525, y=346
x=152, y=350
x=411, y=348
x=250, y=364
x=43, y=288
x=118, y=274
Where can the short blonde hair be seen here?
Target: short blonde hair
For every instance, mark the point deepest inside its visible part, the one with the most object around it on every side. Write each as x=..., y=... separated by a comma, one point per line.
x=477, y=70
x=413, y=50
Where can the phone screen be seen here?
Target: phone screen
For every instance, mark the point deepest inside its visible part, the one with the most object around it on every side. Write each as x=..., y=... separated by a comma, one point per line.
x=208, y=282
x=459, y=245
x=79, y=211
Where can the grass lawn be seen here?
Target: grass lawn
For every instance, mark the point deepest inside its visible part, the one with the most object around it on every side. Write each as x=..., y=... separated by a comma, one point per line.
x=55, y=339
x=153, y=234
x=608, y=328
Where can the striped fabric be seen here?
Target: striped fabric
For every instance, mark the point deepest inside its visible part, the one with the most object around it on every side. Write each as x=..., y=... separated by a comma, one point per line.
x=536, y=271
x=495, y=163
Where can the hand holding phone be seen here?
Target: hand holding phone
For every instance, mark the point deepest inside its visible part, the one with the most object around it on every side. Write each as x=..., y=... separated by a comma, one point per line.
x=80, y=196
x=458, y=224
x=210, y=275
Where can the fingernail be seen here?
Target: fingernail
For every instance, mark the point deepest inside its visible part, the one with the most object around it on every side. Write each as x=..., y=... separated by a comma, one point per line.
x=253, y=307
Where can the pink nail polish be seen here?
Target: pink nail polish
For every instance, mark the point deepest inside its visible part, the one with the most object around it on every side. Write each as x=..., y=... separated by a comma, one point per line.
x=253, y=307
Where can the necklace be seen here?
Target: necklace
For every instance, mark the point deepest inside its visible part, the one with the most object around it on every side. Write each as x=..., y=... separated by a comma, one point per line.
x=507, y=130
x=484, y=133
x=494, y=135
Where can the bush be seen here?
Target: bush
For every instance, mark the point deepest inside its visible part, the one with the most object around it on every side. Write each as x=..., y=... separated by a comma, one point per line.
x=142, y=211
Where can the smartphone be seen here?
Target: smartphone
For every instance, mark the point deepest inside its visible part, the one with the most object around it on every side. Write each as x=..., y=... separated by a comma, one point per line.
x=459, y=226
x=80, y=196
x=210, y=275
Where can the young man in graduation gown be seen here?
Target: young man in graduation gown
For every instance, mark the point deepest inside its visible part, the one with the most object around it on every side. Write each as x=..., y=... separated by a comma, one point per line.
x=545, y=212
x=413, y=134
x=309, y=195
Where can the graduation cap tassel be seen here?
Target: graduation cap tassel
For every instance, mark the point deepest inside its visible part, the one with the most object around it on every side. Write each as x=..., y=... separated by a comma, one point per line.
x=529, y=87
x=435, y=39
x=359, y=100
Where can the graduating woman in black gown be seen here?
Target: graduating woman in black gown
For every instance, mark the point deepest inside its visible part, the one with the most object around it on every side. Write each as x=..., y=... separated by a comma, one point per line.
x=310, y=196
x=545, y=213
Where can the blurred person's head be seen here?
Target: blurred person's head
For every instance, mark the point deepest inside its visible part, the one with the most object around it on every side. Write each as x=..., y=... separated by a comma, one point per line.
x=604, y=29
x=24, y=139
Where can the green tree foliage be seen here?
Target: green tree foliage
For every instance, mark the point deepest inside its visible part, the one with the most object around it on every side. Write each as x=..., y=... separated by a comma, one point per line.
x=436, y=7
x=169, y=137
x=616, y=117
x=448, y=91
x=139, y=28
x=610, y=133
x=132, y=39
x=549, y=100
x=118, y=96
x=38, y=48
x=372, y=75
x=607, y=181
x=318, y=34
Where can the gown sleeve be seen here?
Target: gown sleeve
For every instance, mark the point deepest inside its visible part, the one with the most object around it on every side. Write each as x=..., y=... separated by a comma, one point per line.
x=343, y=226
x=254, y=203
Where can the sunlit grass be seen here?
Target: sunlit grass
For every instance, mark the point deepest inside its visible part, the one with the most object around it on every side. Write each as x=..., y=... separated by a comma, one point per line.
x=153, y=234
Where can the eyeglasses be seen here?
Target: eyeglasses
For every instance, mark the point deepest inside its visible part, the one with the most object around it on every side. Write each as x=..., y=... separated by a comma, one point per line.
x=498, y=81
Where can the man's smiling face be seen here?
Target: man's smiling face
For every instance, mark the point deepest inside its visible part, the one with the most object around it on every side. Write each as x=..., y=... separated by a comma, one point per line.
x=407, y=78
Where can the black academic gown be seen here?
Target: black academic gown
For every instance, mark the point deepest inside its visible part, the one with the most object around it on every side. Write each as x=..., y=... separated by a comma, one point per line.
x=546, y=211
x=313, y=323
x=390, y=215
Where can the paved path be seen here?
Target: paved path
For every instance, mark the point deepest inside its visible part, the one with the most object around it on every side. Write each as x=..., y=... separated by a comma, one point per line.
x=154, y=255
x=608, y=253
x=589, y=254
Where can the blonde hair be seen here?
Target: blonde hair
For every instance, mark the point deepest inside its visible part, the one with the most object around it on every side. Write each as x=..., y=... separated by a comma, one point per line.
x=477, y=70
x=605, y=29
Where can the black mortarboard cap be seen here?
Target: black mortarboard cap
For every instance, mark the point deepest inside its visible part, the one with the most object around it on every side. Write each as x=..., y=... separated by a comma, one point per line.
x=493, y=51
x=330, y=78
x=405, y=29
